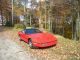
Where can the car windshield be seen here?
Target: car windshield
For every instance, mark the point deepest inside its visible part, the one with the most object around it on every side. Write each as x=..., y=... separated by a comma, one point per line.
x=32, y=31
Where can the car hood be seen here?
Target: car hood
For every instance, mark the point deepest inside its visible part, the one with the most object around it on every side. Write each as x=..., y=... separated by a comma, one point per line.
x=42, y=37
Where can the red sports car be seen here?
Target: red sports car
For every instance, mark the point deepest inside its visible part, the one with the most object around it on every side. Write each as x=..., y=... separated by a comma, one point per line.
x=36, y=38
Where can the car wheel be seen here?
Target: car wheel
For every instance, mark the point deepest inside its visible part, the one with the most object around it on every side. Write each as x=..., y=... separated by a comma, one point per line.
x=30, y=44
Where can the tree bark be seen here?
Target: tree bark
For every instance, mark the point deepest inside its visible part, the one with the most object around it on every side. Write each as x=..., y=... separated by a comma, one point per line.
x=2, y=17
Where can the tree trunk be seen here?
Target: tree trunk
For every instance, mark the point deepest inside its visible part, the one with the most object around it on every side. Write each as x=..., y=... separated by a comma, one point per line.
x=40, y=19
x=45, y=14
x=2, y=17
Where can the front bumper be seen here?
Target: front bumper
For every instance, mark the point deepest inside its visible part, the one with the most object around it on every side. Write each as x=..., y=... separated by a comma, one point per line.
x=41, y=45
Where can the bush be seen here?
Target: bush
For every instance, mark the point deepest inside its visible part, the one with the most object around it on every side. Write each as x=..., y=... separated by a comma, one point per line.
x=8, y=23
x=19, y=26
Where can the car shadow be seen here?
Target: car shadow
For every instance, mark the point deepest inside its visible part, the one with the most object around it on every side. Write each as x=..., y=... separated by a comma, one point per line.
x=47, y=47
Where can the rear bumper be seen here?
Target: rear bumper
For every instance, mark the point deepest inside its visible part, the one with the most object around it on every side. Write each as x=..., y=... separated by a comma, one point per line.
x=42, y=45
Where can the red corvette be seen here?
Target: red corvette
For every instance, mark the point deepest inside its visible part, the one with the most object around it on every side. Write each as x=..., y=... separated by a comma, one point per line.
x=37, y=38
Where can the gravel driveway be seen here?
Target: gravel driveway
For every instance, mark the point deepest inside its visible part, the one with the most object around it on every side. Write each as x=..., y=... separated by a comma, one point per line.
x=9, y=50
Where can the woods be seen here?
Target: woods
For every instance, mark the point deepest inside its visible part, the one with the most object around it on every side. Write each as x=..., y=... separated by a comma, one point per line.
x=5, y=11
x=57, y=16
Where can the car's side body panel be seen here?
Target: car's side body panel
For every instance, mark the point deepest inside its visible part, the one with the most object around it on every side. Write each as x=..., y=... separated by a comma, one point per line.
x=24, y=36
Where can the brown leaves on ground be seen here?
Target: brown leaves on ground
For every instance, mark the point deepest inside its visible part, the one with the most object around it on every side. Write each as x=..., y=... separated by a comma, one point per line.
x=65, y=49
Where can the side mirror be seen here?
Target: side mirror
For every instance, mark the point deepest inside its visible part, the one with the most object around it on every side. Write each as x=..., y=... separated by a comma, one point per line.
x=23, y=32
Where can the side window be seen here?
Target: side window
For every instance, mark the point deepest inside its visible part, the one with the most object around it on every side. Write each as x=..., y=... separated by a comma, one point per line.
x=23, y=31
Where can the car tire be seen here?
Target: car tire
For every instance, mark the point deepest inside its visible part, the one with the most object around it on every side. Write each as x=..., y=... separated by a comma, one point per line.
x=30, y=44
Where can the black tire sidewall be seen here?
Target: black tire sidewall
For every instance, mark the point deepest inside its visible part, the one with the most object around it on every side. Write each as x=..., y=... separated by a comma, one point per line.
x=30, y=44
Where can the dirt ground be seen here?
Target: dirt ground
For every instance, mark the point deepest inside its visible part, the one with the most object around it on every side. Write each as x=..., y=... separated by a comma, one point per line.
x=66, y=49
x=9, y=50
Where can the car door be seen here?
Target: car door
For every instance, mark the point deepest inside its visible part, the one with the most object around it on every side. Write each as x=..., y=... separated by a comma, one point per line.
x=24, y=36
